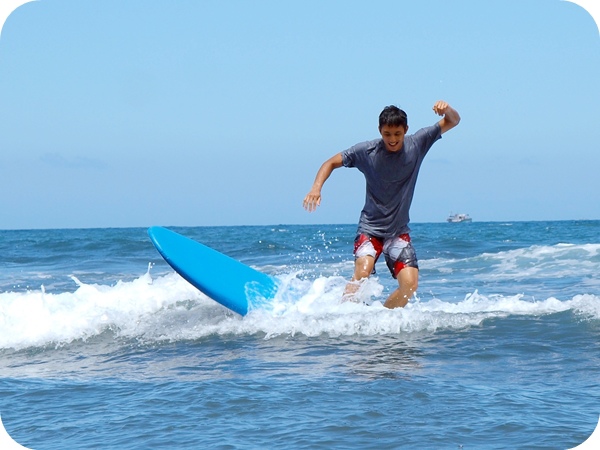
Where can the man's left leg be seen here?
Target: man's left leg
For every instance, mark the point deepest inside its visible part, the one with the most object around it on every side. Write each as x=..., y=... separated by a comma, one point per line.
x=408, y=281
x=402, y=261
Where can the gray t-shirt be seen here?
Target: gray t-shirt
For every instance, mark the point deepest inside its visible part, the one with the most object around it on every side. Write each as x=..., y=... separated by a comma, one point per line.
x=391, y=178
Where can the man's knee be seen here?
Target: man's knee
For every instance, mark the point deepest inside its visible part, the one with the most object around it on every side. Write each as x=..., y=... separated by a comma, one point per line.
x=408, y=278
x=363, y=267
x=413, y=285
x=410, y=285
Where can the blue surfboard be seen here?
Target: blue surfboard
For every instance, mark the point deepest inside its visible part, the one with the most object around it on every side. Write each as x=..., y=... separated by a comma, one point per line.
x=222, y=278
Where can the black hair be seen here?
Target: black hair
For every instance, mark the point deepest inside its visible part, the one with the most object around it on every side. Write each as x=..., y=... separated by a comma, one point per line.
x=393, y=116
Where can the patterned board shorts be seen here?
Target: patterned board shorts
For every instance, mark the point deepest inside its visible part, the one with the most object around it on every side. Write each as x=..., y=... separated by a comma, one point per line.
x=398, y=251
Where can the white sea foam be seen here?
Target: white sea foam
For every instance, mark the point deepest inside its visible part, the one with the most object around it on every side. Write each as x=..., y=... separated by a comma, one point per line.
x=560, y=260
x=167, y=308
x=37, y=318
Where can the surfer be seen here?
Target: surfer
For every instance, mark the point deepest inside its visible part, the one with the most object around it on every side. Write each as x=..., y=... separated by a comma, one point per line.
x=390, y=166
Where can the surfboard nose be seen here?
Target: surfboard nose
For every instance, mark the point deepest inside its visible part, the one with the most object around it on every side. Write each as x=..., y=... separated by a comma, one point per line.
x=222, y=278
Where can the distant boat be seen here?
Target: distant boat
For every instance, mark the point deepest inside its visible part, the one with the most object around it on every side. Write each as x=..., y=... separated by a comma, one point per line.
x=456, y=218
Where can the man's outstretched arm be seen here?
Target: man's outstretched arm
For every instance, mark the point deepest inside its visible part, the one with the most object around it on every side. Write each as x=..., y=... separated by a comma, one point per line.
x=313, y=198
x=450, y=116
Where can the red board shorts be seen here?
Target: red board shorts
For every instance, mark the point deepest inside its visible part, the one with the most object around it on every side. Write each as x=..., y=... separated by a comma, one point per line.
x=398, y=251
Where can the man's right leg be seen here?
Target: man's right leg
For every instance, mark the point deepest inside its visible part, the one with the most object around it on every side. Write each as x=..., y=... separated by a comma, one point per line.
x=363, y=267
x=366, y=251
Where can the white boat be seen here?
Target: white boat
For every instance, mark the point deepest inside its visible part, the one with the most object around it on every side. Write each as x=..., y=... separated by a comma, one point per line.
x=456, y=218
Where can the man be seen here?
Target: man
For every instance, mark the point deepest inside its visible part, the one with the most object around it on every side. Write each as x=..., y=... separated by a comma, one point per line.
x=390, y=166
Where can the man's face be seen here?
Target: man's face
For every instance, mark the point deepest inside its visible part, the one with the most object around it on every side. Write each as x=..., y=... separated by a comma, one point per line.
x=393, y=137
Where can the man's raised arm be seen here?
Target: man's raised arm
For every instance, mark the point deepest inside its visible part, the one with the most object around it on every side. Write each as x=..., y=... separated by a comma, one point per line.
x=450, y=117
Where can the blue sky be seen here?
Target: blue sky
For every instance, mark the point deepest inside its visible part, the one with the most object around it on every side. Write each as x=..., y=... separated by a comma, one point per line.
x=159, y=112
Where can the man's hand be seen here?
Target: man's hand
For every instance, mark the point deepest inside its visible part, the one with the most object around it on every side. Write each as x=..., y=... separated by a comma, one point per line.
x=312, y=200
x=450, y=116
x=440, y=107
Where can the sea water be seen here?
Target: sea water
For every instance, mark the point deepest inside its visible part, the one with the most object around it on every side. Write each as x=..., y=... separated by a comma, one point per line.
x=102, y=345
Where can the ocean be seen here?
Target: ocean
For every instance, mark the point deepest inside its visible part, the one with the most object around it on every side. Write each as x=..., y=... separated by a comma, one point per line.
x=103, y=346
